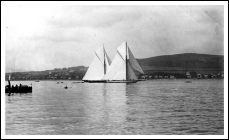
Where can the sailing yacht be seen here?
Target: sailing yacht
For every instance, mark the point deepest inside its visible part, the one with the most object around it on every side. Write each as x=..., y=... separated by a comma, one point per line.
x=98, y=67
x=124, y=67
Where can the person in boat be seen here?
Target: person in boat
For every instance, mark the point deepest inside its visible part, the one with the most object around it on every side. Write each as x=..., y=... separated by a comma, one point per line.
x=20, y=87
x=16, y=88
x=12, y=88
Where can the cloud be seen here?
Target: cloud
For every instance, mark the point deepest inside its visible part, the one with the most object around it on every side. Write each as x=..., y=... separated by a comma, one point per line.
x=60, y=35
x=68, y=35
x=98, y=17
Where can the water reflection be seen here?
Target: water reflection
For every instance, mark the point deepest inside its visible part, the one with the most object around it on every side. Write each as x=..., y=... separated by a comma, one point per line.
x=106, y=107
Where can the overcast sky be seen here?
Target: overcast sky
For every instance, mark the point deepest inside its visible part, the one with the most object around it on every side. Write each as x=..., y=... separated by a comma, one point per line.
x=41, y=38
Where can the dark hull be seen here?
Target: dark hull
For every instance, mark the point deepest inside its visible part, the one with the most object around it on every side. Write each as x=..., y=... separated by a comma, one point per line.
x=95, y=81
x=113, y=81
x=120, y=81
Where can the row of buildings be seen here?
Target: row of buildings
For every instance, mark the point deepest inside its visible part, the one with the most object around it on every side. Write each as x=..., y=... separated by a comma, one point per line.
x=188, y=75
x=77, y=73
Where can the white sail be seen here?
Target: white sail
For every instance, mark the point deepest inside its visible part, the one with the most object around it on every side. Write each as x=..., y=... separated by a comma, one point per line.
x=134, y=63
x=130, y=73
x=117, y=69
x=123, y=66
x=98, y=67
x=107, y=62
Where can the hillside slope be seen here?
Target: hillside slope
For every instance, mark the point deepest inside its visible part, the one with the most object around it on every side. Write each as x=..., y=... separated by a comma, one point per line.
x=183, y=62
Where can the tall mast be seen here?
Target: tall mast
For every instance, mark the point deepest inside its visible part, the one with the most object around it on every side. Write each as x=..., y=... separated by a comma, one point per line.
x=126, y=63
x=104, y=60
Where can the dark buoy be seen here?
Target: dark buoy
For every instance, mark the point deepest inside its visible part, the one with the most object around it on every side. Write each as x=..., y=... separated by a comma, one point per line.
x=188, y=81
x=66, y=87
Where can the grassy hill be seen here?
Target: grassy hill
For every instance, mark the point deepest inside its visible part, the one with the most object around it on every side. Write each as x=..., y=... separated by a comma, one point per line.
x=202, y=63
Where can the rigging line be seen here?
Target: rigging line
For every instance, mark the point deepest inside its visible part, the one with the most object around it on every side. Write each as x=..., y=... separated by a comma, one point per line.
x=98, y=58
x=120, y=55
x=104, y=63
x=126, y=63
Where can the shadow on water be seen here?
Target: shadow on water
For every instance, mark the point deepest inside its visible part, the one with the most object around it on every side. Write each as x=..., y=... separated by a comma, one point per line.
x=17, y=96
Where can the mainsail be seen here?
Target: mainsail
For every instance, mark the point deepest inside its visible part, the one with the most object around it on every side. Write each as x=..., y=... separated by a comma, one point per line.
x=124, y=67
x=98, y=67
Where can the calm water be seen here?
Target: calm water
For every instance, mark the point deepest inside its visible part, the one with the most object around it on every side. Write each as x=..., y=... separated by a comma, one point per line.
x=157, y=107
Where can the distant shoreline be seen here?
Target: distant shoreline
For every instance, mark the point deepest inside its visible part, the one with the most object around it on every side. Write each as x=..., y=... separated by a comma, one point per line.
x=144, y=80
x=177, y=65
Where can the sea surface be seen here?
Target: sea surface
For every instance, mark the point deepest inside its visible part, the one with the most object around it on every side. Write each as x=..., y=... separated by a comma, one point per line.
x=155, y=107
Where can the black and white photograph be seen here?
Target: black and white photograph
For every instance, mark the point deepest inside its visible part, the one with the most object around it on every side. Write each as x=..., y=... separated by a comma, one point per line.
x=114, y=70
